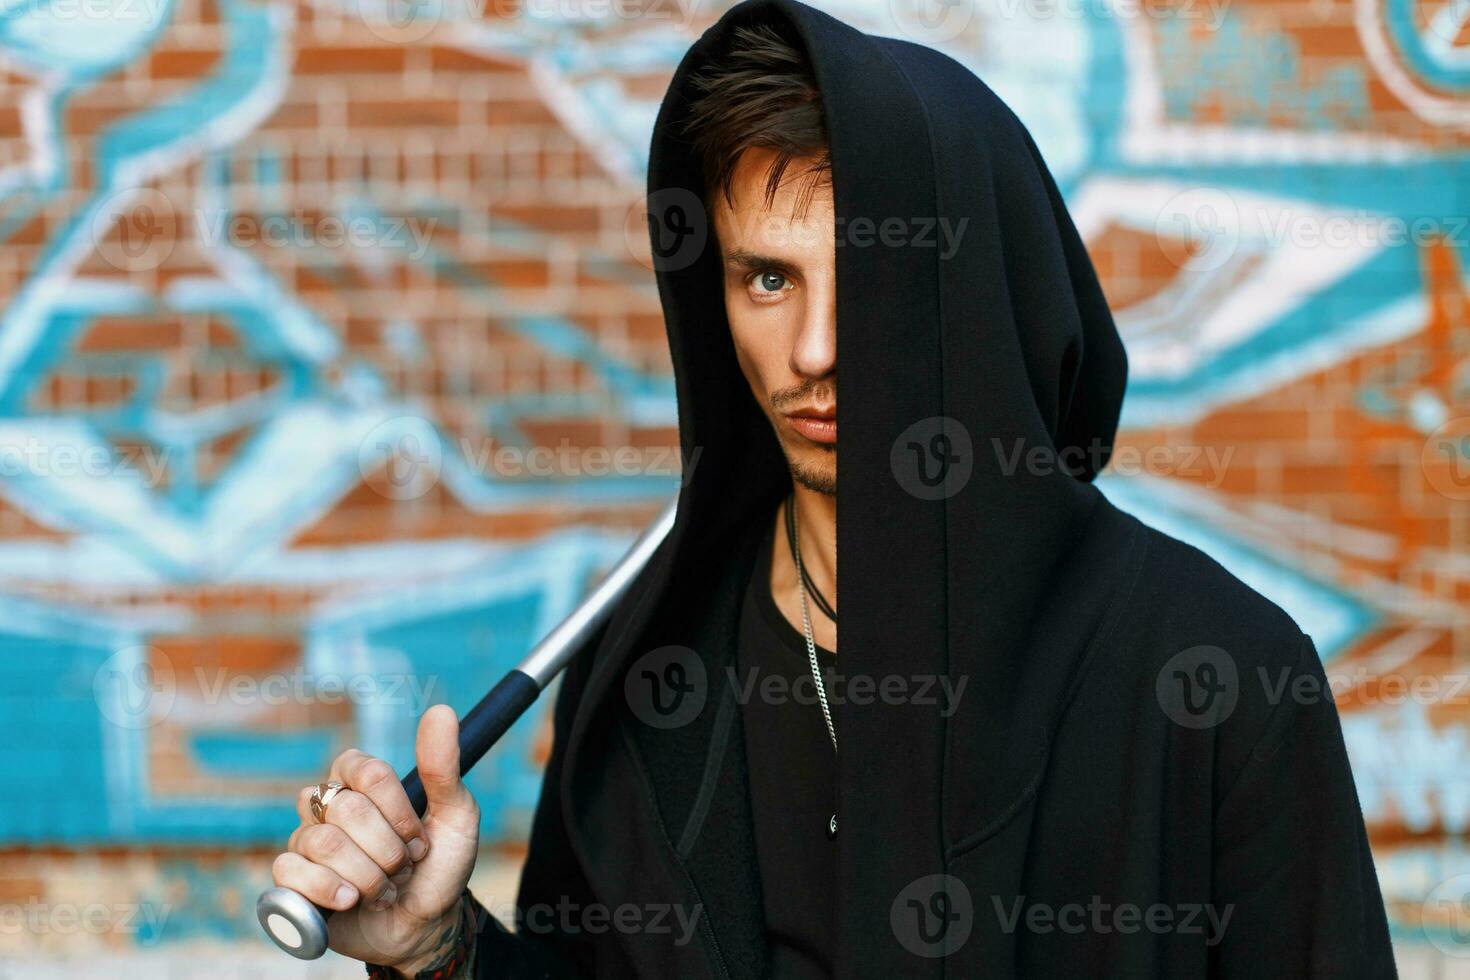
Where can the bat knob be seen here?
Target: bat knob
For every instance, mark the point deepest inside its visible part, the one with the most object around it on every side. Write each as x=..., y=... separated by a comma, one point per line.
x=292, y=922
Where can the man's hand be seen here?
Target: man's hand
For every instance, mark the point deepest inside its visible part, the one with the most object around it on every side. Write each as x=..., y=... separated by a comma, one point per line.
x=392, y=880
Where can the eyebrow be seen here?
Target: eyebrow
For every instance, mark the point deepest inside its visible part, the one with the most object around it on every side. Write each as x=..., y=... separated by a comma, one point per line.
x=740, y=258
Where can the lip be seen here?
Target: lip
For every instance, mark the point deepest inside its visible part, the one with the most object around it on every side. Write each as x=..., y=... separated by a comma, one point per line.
x=818, y=425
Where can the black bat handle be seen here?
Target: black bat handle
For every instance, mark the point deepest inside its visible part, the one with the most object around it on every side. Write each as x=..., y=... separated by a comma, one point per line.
x=482, y=728
x=298, y=925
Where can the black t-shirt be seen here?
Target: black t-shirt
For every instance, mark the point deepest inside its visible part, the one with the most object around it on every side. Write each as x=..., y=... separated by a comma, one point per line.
x=793, y=777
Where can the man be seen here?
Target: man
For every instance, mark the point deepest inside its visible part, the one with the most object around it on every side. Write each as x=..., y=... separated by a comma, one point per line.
x=1056, y=742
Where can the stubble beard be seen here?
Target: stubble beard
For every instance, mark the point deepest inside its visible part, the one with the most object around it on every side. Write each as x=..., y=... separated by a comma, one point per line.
x=819, y=479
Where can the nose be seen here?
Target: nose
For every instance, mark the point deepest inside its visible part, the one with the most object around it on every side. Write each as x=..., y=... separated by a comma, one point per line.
x=814, y=350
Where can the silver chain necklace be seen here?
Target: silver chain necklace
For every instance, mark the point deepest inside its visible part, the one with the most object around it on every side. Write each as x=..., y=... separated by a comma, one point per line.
x=811, y=649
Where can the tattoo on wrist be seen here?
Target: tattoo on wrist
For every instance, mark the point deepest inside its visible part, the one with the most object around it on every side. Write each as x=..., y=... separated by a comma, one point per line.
x=450, y=957
x=443, y=947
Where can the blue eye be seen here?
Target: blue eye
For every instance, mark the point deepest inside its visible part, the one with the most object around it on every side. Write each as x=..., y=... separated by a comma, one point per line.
x=773, y=280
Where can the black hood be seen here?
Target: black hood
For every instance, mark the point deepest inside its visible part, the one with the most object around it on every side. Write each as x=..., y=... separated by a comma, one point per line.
x=996, y=351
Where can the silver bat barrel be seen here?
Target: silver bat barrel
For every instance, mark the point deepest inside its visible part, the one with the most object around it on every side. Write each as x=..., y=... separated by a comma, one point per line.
x=300, y=927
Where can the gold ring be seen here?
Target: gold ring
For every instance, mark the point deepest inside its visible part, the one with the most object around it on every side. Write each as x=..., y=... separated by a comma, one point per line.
x=321, y=796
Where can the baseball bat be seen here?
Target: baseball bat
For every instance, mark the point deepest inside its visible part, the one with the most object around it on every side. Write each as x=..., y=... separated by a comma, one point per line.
x=299, y=926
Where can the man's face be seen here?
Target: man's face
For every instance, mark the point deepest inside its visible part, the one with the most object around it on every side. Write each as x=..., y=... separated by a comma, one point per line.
x=780, y=269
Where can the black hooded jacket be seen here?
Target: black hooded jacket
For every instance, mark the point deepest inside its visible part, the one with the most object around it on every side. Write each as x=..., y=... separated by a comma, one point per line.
x=1145, y=776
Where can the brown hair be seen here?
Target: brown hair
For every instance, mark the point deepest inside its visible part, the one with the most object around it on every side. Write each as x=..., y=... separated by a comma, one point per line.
x=760, y=92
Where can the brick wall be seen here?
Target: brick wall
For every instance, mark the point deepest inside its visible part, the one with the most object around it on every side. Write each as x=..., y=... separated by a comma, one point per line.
x=289, y=290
